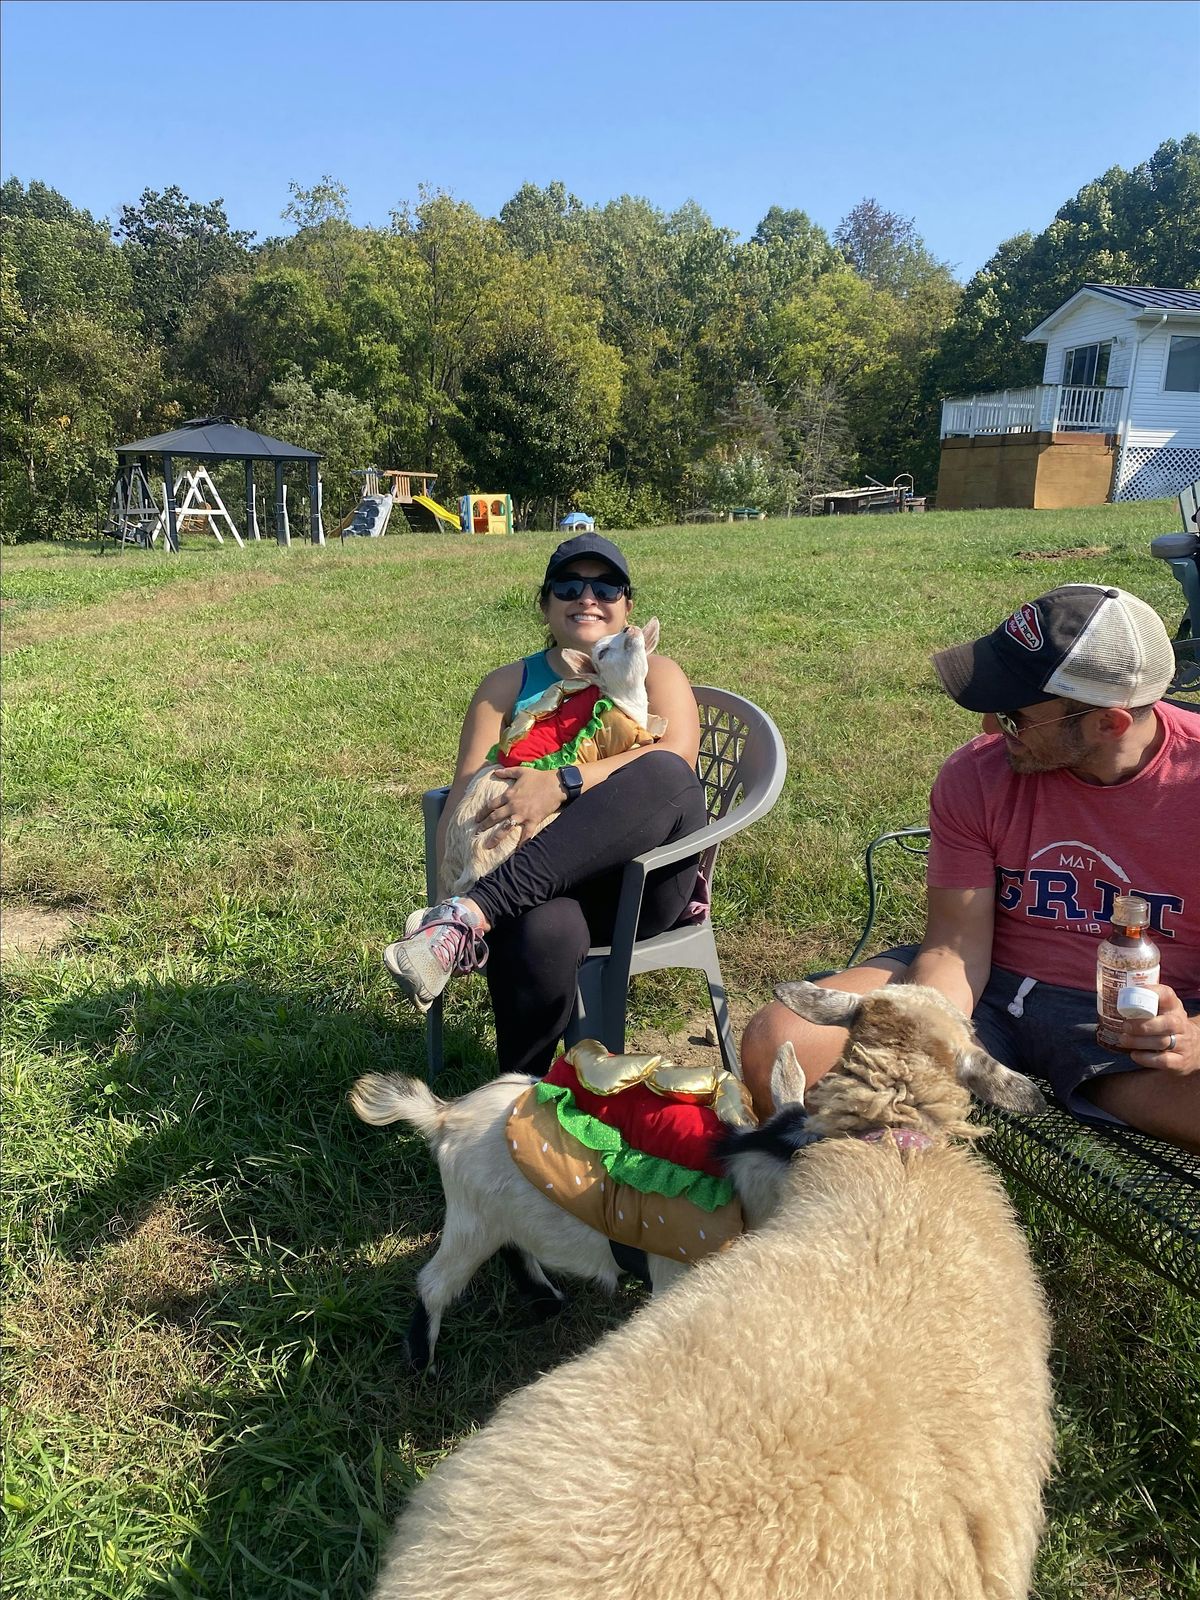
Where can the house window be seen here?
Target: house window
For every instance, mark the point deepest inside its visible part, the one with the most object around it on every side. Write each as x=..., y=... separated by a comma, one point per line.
x=1183, y=364
x=1087, y=364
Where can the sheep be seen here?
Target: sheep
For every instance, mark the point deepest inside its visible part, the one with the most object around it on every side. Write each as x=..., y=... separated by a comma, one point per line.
x=852, y=1402
x=617, y=665
x=490, y=1205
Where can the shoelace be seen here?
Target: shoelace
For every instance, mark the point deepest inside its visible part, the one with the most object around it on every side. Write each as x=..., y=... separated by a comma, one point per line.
x=456, y=946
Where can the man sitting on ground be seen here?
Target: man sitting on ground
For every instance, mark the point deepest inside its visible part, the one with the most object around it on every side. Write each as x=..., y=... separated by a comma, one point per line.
x=1084, y=785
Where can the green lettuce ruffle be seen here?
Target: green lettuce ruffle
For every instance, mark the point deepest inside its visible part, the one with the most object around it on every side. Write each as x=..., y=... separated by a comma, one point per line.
x=569, y=754
x=645, y=1173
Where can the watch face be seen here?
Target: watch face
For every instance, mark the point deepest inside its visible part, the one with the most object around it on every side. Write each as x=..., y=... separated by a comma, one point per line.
x=571, y=780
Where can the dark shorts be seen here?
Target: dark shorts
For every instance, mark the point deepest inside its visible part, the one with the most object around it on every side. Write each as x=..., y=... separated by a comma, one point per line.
x=1044, y=1029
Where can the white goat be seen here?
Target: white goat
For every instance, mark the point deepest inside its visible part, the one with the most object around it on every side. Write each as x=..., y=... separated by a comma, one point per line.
x=853, y=1403
x=490, y=1205
x=618, y=663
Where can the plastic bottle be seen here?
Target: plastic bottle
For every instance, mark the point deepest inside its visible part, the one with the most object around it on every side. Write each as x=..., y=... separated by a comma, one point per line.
x=1126, y=967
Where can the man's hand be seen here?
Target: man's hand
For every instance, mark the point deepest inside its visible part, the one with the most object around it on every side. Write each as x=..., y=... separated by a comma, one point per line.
x=1170, y=1041
x=531, y=795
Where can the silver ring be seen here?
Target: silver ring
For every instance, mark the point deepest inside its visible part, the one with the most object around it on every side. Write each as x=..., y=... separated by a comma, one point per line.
x=1171, y=1045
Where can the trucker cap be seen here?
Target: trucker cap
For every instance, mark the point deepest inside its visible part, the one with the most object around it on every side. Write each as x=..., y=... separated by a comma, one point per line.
x=1083, y=642
x=585, y=545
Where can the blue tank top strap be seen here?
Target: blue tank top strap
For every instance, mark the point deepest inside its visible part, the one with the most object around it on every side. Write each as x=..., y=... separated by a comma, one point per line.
x=536, y=677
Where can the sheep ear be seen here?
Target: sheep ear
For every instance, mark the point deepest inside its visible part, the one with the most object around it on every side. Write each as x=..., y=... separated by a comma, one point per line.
x=827, y=1006
x=650, y=635
x=578, y=663
x=997, y=1085
x=788, y=1082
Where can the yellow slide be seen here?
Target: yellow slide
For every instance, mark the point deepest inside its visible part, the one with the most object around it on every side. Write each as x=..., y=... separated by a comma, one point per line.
x=439, y=511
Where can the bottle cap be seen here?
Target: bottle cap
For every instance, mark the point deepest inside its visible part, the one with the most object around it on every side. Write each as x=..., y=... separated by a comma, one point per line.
x=1130, y=911
x=1136, y=1004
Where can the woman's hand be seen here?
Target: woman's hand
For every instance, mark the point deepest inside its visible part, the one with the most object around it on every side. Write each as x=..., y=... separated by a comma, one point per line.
x=1170, y=1041
x=531, y=795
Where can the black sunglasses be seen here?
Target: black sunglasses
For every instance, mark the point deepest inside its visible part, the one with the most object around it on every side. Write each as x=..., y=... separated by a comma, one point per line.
x=571, y=587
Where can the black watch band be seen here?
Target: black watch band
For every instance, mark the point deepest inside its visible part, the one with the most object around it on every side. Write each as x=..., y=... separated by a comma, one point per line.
x=571, y=780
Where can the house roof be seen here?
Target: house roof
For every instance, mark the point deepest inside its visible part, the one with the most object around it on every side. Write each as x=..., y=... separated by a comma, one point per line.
x=217, y=439
x=1150, y=299
x=1139, y=300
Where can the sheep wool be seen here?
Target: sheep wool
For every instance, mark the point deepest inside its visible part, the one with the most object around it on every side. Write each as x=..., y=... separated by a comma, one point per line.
x=852, y=1404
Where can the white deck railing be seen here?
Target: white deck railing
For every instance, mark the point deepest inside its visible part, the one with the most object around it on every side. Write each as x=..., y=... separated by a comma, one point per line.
x=1042, y=408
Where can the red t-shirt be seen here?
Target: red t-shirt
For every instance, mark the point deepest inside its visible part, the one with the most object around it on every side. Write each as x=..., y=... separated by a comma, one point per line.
x=1060, y=850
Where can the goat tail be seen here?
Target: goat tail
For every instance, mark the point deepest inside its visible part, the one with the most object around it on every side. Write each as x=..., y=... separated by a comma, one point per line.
x=381, y=1099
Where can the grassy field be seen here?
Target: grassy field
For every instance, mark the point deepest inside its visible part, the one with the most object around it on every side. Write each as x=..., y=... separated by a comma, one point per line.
x=213, y=768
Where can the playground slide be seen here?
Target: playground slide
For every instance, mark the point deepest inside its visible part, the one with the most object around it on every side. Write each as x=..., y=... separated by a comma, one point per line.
x=370, y=518
x=440, y=512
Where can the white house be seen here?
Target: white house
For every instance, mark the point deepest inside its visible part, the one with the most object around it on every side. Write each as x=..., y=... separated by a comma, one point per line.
x=1116, y=416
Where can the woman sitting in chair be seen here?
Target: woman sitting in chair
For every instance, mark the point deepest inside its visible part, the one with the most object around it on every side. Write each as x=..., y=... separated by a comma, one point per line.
x=532, y=919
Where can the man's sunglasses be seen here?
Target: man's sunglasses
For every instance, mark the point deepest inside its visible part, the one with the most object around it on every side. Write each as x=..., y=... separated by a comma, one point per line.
x=1008, y=723
x=571, y=587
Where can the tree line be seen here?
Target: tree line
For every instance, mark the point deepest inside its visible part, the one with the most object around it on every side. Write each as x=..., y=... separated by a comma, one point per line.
x=633, y=362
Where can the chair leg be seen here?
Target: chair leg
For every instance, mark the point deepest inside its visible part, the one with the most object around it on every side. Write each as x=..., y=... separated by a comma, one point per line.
x=720, y=1010
x=588, y=1019
x=433, y=1040
x=616, y=999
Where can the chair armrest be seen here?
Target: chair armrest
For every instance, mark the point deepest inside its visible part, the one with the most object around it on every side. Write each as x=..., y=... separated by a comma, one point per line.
x=695, y=844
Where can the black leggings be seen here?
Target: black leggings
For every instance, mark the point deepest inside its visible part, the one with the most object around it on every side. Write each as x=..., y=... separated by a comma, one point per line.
x=558, y=893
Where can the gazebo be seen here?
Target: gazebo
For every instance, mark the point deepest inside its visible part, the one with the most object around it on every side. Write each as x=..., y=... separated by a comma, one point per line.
x=219, y=439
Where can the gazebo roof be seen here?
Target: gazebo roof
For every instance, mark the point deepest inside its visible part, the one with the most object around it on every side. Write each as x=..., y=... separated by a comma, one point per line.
x=217, y=439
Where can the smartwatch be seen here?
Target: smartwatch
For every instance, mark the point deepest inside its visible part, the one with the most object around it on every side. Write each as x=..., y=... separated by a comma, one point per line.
x=571, y=780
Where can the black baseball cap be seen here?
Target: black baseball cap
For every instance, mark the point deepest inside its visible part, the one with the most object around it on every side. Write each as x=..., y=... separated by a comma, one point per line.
x=584, y=546
x=1083, y=642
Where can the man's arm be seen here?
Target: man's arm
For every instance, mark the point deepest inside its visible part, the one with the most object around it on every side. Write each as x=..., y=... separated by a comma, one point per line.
x=956, y=953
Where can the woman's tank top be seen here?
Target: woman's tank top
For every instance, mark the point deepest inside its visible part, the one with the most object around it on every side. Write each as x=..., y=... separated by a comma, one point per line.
x=536, y=677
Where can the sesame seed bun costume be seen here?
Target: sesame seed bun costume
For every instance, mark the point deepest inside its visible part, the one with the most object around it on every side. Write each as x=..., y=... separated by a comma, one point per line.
x=627, y=1143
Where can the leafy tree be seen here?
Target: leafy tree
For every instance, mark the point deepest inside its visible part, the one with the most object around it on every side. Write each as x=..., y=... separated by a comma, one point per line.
x=459, y=262
x=526, y=423
x=536, y=220
x=174, y=246
x=75, y=375
x=886, y=250
x=342, y=428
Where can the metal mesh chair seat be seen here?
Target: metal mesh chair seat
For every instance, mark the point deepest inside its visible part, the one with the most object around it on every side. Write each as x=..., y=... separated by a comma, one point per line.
x=1140, y=1194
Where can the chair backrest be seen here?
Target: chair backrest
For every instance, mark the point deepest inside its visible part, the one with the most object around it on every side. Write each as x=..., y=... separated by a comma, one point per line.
x=742, y=762
x=1189, y=507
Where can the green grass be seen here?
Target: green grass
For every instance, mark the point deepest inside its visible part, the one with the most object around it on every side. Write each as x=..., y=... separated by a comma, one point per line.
x=215, y=762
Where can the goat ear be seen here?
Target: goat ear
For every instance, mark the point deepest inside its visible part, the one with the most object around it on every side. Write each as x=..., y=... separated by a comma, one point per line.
x=650, y=635
x=578, y=663
x=788, y=1082
x=998, y=1085
x=815, y=1004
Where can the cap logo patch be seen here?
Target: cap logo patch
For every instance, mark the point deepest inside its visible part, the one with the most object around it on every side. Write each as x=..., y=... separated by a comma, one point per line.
x=1025, y=626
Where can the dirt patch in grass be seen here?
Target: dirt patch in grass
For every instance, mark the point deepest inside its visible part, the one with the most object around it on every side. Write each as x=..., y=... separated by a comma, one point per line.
x=137, y=606
x=110, y=1341
x=35, y=930
x=1080, y=552
x=695, y=1044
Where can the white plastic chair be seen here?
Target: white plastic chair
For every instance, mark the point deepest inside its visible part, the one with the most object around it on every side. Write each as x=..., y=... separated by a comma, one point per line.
x=742, y=765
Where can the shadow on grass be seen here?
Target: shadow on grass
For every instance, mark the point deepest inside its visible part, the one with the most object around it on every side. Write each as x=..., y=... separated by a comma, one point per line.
x=314, y=1227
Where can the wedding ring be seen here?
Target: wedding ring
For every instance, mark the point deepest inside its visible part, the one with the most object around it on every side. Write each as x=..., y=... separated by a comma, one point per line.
x=1171, y=1042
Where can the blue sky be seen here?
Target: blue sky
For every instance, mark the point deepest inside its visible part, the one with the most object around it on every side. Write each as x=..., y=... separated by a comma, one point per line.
x=978, y=120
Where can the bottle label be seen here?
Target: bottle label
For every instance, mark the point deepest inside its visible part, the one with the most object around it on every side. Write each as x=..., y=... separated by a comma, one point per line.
x=1110, y=980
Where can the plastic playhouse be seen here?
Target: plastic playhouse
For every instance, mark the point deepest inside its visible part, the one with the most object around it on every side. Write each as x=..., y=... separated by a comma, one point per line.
x=486, y=513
